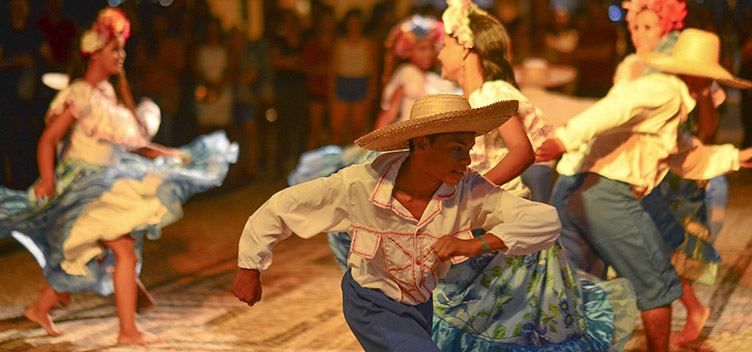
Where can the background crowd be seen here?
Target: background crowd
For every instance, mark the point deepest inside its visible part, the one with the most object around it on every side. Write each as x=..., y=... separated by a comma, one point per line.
x=273, y=91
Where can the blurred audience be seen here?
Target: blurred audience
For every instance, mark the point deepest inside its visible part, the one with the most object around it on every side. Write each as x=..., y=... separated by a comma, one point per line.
x=22, y=49
x=354, y=75
x=299, y=85
x=289, y=89
x=317, y=54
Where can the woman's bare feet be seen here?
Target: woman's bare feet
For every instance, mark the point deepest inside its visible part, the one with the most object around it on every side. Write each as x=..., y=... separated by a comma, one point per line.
x=693, y=327
x=42, y=318
x=139, y=338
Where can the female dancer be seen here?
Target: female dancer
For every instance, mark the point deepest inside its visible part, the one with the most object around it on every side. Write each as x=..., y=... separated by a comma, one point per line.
x=91, y=211
x=496, y=301
x=415, y=42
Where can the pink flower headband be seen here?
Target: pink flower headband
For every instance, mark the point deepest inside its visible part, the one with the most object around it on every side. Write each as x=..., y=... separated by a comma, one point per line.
x=671, y=13
x=111, y=23
x=457, y=22
x=407, y=33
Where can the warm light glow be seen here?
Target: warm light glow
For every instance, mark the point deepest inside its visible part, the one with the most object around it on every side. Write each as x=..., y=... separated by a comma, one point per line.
x=201, y=93
x=271, y=115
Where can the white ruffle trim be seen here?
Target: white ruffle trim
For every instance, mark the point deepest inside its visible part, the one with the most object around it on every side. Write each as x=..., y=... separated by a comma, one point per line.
x=99, y=114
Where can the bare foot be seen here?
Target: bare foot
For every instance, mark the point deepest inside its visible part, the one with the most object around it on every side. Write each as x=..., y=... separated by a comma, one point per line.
x=43, y=319
x=139, y=338
x=693, y=327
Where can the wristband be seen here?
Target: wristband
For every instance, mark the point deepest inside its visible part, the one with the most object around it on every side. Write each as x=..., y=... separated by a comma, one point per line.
x=484, y=248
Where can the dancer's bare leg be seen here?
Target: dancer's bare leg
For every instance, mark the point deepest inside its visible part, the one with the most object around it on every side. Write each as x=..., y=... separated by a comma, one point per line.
x=144, y=299
x=657, y=324
x=62, y=297
x=697, y=315
x=39, y=312
x=126, y=293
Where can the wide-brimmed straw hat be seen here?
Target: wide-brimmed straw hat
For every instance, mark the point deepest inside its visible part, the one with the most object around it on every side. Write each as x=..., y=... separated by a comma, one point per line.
x=537, y=72
x=696, y=53
x=439, y=113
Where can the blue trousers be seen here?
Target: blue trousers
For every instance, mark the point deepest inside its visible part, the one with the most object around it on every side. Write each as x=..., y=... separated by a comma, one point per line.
x=604, y=215
x=383, y=324
x=539, y=179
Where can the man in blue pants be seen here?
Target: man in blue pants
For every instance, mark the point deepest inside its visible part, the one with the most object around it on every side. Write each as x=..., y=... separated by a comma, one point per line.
x=408, y=213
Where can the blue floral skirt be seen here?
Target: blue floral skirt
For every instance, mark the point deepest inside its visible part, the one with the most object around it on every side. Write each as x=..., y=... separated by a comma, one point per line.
x=495, y=302
x=679, y=208
x=94, y=203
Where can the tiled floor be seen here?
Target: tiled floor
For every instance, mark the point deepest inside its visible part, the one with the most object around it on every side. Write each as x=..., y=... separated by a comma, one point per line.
x=190, y=272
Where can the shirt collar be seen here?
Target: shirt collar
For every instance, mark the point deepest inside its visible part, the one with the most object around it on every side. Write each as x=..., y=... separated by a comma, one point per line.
x=388, y=166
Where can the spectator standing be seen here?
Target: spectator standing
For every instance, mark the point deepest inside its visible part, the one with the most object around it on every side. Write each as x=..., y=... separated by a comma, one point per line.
x=354, y=73
x=317, y=54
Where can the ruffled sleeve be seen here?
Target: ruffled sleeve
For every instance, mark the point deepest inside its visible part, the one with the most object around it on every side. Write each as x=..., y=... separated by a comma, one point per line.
x=101, y=117
x=535, y=124
x=74, y=97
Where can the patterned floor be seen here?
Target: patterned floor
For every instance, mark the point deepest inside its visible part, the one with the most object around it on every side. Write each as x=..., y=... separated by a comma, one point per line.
x=190, y=272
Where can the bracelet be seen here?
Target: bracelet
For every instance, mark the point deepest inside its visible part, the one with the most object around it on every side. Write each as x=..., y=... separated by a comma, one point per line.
x=484, y=248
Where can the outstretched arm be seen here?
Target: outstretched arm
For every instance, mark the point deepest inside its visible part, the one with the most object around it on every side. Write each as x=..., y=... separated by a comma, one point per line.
x=551, y=149
x=307, y=209
x=154, y=150
x=626, y=104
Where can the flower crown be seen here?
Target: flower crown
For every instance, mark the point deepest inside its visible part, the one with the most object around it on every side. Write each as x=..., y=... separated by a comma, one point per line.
x=671, y=13
x=410, y=31
x=457, y=22
x=111, y=23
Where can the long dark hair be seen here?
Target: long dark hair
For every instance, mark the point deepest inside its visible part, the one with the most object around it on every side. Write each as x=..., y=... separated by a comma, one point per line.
x=492, y=45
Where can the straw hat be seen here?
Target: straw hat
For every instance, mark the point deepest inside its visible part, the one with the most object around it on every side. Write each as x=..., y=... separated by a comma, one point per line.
x=536, y=72
x=439, y=113
x=696, y=54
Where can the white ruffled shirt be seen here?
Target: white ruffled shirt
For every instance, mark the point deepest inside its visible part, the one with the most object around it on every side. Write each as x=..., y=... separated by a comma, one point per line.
x=489, y=149
x=102, y=126
x=391, y=250
x=632, y=135
x=416, y=84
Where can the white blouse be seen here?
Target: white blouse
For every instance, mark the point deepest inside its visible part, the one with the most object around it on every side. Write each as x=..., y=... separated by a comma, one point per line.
x=489, y=149
x=103, y=126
